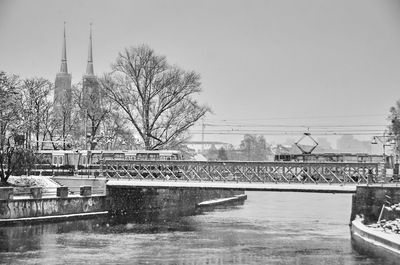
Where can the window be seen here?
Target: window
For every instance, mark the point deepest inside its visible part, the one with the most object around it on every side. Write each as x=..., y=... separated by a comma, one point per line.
x=141, y=156
x=119, y=156
x=96, y=158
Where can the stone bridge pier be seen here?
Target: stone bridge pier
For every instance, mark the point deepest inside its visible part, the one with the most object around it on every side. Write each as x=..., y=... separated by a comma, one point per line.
x=158, y=203
x=369, y=200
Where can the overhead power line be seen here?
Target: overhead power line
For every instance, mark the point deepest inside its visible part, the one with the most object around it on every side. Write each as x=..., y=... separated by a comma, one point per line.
x=292, y=133
x=295, y=126
x=298, y=118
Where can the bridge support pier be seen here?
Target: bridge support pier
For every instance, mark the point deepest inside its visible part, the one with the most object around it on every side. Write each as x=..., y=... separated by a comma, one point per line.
x=157, y=203
x=369, y=199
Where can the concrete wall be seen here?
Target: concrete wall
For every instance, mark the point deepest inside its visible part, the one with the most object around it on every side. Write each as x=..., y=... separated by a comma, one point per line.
x=160, y=203
x=23, y=208
x=373, y=243
x=141, y=203
x=368, y=201
x=74, y=183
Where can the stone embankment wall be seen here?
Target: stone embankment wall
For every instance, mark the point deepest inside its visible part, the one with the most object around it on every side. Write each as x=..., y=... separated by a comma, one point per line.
x=37, y=206
x=368, y=202
x=24, y=208
x=141, y=203
x=161, y=203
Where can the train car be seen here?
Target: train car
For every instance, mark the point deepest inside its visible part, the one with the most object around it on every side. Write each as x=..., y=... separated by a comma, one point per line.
x=330, y=157
x=153, y=155
x=92, y=158
x=58, y=158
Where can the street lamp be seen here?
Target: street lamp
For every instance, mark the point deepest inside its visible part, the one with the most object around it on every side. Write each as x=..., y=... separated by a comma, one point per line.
x=108, y=142
x=384, y=141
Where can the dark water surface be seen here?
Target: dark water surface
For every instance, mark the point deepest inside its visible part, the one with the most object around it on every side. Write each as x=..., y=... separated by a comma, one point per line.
x=270, y=228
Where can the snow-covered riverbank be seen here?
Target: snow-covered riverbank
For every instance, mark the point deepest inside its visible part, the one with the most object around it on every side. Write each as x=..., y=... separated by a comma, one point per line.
x=22, y=184
x=376, y=239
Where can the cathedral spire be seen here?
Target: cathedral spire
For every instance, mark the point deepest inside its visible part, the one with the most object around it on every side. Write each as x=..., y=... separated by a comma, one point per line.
x=64, y=67
x=89, y=68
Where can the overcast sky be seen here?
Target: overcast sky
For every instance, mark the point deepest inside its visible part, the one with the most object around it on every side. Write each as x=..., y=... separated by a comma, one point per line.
x=264, y=62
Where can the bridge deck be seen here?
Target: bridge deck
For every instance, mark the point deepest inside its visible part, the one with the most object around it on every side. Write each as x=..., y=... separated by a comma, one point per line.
x=295, y=187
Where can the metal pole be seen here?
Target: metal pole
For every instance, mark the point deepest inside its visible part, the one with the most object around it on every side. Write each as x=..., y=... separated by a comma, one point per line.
x=85, y=129
x=384, y=155
x=202, y=136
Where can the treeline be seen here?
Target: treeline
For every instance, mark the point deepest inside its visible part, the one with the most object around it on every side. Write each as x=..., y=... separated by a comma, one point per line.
x=144, y=102
x=251, y=148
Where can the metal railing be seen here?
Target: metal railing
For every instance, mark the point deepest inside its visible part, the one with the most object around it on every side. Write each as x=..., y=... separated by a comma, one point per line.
x=249, y=172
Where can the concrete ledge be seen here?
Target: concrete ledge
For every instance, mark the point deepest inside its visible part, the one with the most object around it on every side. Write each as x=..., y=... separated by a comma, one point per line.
x=51, y=218
x=378, y=243
x=295, y=187
x=50, y=197
x=222, y=201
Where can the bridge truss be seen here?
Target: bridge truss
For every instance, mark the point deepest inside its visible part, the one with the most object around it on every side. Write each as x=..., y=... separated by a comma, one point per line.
x=242, y=172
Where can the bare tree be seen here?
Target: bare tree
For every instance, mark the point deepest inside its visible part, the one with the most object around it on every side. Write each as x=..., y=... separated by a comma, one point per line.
x=35, y=102
x=157, y=98
x=94, y=109
x=62, y=122
x=254, y=148
x=9, y=107
x=13, y=157
x=394, y=127
x=117, y=131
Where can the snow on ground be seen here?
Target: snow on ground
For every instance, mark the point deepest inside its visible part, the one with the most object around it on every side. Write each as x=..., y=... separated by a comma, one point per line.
x=23, y=182
x=389, y=226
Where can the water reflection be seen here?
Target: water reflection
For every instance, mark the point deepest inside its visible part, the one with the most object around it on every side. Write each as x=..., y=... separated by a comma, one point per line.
x=268, y=229
x=30, y=237
x=23, y=238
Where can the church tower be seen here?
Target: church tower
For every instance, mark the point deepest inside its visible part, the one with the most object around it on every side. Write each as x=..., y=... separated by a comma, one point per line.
x=62, y=90
x=90, y=87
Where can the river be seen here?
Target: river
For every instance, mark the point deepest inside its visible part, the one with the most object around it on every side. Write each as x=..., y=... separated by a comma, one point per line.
x=269, y=228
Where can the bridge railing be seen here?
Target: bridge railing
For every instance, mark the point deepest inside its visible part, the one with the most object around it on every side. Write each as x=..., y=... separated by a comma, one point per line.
x=234, y=171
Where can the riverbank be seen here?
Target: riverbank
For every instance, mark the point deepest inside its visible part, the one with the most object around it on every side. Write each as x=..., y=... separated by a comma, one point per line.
x=375, y=240
x=375, y=223
x=73, y=201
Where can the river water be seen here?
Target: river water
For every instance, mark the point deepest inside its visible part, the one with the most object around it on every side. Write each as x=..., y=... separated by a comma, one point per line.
x=269, y=228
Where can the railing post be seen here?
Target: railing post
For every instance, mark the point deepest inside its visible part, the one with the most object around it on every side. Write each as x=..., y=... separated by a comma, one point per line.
x=370, y=179
x=36, y=192
x=6, y=193
x=101, y=169
x=396, y=172
x=86, y=191
x=62, y=192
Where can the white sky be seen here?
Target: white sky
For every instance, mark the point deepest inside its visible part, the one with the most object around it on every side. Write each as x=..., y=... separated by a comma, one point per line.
x=262, y=62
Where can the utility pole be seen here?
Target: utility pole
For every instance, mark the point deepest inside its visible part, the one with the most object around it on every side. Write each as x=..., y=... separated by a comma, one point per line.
x=86, y=129
x=202, y=135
